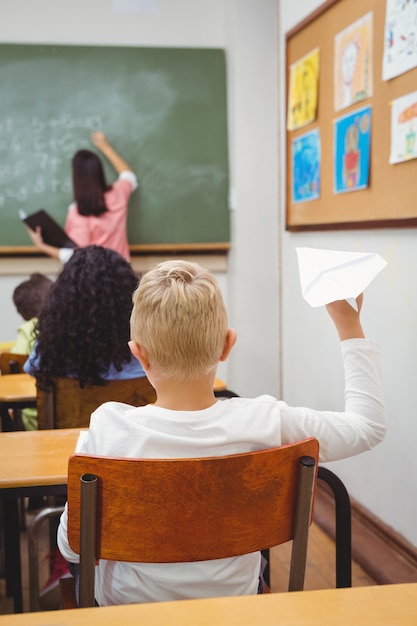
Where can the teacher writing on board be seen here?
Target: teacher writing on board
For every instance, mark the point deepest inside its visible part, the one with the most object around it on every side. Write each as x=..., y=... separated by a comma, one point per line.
x=98, y=214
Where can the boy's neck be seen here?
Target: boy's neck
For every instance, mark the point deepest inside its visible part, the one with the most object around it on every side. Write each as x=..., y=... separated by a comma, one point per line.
x=189, y=396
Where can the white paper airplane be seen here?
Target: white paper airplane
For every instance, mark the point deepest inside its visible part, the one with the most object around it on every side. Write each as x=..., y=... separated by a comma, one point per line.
x=330, y=275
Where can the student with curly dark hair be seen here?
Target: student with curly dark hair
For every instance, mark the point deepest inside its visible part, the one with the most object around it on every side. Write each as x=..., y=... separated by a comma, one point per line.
x=83, y=329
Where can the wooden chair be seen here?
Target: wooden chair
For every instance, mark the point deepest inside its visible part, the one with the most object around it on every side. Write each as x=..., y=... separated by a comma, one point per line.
x=133, y=509
x=67, y=405
x=11, y=363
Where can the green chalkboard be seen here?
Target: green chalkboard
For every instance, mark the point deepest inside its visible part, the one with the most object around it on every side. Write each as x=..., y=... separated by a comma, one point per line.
x=163, y=109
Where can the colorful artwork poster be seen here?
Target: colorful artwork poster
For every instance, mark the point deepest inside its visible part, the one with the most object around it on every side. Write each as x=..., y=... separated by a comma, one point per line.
x=403, y=128
x=303, y=90
x=400, y=38
x=306, y=158
x=353, y=63
x=352, y=143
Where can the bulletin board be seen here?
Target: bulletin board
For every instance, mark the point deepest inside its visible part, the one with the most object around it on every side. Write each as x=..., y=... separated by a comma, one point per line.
x=163, y=109
x=390, y=198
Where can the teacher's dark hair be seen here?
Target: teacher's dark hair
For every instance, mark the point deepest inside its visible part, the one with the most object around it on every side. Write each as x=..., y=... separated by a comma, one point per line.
x=83, y=327
x=89, y=183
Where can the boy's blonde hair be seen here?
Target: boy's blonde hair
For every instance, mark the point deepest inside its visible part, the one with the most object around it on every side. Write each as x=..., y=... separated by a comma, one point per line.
x=179, y=317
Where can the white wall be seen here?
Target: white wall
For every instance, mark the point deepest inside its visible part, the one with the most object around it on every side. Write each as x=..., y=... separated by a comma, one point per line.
x=262, y=263
x=253, y=276
x=384, y=480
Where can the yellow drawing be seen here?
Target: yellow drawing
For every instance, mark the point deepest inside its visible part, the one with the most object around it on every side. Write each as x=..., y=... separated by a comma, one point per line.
x=303, y=88
x=353, y=79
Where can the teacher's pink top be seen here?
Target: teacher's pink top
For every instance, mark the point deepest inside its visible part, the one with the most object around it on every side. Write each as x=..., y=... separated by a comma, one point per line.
x=108, y=230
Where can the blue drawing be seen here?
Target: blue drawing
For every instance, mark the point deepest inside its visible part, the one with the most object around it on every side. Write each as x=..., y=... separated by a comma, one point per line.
x=306, y=158
x=352, y=141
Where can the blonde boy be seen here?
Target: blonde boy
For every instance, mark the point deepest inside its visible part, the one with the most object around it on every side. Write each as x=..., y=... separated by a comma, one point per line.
x=179, y=332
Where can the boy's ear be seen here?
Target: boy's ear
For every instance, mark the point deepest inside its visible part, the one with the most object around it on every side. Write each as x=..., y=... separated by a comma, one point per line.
x=229, y=342
x=140, y=353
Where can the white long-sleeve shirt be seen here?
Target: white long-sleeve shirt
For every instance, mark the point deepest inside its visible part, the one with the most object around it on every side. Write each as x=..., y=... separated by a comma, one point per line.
x=228, y=427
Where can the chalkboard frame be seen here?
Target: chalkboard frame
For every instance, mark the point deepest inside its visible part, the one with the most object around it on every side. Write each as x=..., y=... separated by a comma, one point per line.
x=220, y=247
x=217, y=132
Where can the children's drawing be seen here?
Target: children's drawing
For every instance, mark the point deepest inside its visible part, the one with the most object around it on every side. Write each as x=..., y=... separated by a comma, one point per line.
x=400, y=38
x=353, y=62
x=352, y=135
x=306, y=157
x=303, y=88
x=403, y=128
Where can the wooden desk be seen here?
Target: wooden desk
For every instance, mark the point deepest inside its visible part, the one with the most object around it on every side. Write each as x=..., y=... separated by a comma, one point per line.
x=393, y=605
x=219, y=385
x=17, y=388
x=17, y=391
x=31, y=463
x=6, y=346
x=21, y=388
x=37, y=458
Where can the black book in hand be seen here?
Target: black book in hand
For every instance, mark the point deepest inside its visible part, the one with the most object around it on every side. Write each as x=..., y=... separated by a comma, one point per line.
x=52, y=233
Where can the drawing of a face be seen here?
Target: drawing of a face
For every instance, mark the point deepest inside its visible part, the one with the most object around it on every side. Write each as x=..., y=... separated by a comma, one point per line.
x=349, y=58
x=352, y=138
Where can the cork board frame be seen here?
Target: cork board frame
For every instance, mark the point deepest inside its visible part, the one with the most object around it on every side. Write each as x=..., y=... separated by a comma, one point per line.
x=390, y=200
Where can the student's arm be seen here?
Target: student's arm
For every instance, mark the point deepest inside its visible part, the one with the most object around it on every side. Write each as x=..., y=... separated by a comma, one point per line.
x=362, y=423
x=25, y=338
x=100, y=141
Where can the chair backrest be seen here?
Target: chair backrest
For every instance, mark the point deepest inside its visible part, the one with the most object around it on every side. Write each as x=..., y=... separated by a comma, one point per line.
x=67, y=405
x=11, y=363
x=133, y=509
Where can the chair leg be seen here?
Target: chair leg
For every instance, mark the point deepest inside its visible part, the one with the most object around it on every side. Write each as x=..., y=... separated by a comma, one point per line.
x=88, y=510
x=343, y=525
x=12, y=552
x=266, y=572
x=22, y=514
x=33, y=552
x=302, y=523
x=67, y=585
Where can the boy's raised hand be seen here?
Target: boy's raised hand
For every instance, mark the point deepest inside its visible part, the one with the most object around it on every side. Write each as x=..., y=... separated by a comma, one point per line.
x=346, y=319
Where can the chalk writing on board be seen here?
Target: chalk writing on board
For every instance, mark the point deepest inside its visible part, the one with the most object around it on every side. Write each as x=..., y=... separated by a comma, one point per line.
x=51, y=142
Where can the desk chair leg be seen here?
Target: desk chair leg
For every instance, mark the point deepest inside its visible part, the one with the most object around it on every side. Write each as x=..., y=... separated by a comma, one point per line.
x=88, y=515
x=12, y=552
x=267, y=572
x=304, y=505
x=22, y=514
x=33, y=553
x=6, y=421
x=343, y=525
x=226, y=393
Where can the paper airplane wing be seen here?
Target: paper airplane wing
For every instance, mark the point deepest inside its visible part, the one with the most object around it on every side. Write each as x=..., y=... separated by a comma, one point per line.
x=330, y=275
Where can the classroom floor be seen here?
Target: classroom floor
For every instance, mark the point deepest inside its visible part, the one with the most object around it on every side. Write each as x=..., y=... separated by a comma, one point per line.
x=320, y=572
